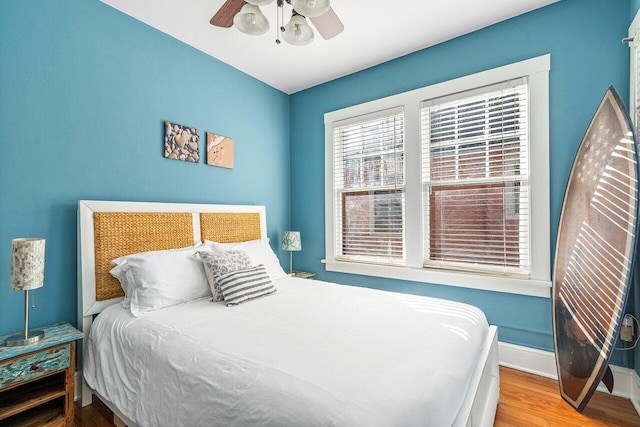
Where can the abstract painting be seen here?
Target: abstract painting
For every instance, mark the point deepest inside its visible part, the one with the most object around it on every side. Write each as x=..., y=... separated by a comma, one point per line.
x=595, y=252
x=219, y=151
x=181, y=142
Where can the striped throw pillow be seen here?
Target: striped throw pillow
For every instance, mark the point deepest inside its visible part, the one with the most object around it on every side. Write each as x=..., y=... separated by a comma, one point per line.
x=243, y=285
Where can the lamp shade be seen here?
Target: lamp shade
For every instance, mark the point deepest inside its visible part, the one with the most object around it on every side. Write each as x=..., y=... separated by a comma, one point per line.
x=250, y=20
x=27, y=264
x=259, y=2
x=311, y=8
x=291, y=241
x=297, y=32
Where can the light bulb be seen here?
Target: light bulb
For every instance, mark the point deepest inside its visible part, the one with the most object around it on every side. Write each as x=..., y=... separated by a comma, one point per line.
x=298, y=32
x=252, y=18
x=311, y=3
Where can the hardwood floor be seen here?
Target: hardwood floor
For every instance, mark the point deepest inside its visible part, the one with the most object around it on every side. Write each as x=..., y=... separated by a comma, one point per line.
x=525, y=400
x=94, y=415
x=530, y=400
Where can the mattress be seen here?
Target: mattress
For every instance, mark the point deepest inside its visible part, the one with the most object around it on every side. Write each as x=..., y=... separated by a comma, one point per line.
x=312, y=354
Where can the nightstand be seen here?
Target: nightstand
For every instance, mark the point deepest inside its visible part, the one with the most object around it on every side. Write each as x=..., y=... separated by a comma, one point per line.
x=304, y=274
x=37, y=380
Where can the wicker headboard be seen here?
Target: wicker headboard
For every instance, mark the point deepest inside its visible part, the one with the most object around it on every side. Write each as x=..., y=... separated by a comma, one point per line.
x=108, y=230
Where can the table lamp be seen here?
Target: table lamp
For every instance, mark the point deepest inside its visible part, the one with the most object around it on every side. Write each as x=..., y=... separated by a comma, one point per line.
x=27, y=273
x=291, y=242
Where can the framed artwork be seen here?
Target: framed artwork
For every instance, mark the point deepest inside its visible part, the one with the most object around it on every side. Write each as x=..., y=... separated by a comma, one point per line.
x=219, y=151
x=181, y=142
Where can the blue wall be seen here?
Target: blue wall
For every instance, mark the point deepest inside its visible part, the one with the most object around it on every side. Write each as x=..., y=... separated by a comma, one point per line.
x=583, y=38
x=84, y=92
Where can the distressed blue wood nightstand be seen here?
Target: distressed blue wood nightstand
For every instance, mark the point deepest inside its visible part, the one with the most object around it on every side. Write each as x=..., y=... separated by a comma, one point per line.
x=37, y=380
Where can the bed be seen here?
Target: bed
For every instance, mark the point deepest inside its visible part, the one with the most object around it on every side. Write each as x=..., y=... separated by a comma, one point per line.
x=311, y=353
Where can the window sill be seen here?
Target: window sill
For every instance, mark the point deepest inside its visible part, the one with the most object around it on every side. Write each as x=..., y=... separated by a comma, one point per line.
x=530, y=287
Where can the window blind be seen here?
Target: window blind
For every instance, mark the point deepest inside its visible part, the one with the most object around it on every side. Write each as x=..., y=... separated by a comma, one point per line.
x=475, y=180
x=369, y=188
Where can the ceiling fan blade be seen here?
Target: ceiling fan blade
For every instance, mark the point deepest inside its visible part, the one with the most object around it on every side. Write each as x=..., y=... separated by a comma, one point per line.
x=224, y=15
x=328, y=25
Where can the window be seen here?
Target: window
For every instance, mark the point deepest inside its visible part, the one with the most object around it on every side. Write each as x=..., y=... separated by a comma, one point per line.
x=369, y=188
x=475, y=175
x=433, y=185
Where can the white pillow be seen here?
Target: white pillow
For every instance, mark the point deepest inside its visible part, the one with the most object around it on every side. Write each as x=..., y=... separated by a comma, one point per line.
x=259, y=252
x=119, y=273
x=160, y=279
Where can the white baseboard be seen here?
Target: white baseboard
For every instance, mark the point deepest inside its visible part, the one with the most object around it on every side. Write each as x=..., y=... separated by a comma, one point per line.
x=543, y=363
x=527, y=359
x=635, y=392
x=77, y=386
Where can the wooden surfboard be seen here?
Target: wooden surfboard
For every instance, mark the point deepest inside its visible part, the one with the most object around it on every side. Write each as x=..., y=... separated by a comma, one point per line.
x=595, y=251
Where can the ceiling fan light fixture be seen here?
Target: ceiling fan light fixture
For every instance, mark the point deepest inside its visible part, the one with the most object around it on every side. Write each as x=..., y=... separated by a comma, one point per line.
x=311, y=8
x=298, y=32
x=250, y=20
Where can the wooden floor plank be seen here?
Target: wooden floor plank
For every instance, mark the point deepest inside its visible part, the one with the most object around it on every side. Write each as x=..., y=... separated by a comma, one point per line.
x=525, y=400
x=531, y=400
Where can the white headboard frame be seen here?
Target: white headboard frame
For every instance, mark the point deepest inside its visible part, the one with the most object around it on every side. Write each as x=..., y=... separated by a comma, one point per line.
x=88, y=306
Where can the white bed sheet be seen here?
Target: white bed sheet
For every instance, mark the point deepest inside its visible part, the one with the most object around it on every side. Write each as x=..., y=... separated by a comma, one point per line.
x=312, y=354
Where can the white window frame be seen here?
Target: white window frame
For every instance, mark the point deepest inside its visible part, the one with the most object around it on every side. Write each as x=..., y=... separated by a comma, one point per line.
x=634, y=90
x=539, y=283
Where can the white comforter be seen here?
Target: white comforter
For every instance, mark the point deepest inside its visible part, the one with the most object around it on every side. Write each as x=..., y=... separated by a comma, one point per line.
x=312, y=354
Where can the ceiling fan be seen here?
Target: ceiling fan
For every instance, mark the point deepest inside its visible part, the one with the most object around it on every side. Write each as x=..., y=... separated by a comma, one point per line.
x=247, y=17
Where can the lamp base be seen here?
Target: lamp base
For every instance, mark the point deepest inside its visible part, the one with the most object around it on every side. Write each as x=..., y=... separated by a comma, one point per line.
x=16, y=340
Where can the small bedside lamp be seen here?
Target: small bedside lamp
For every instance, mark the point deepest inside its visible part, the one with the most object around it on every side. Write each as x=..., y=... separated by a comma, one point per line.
x=27, y=273
x=291, y=242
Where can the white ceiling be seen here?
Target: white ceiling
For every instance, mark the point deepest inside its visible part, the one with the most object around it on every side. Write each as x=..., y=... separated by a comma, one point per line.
x=375, y=31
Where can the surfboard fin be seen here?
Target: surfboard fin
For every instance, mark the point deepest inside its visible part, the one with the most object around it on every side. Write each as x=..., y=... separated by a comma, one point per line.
x=607, y=379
